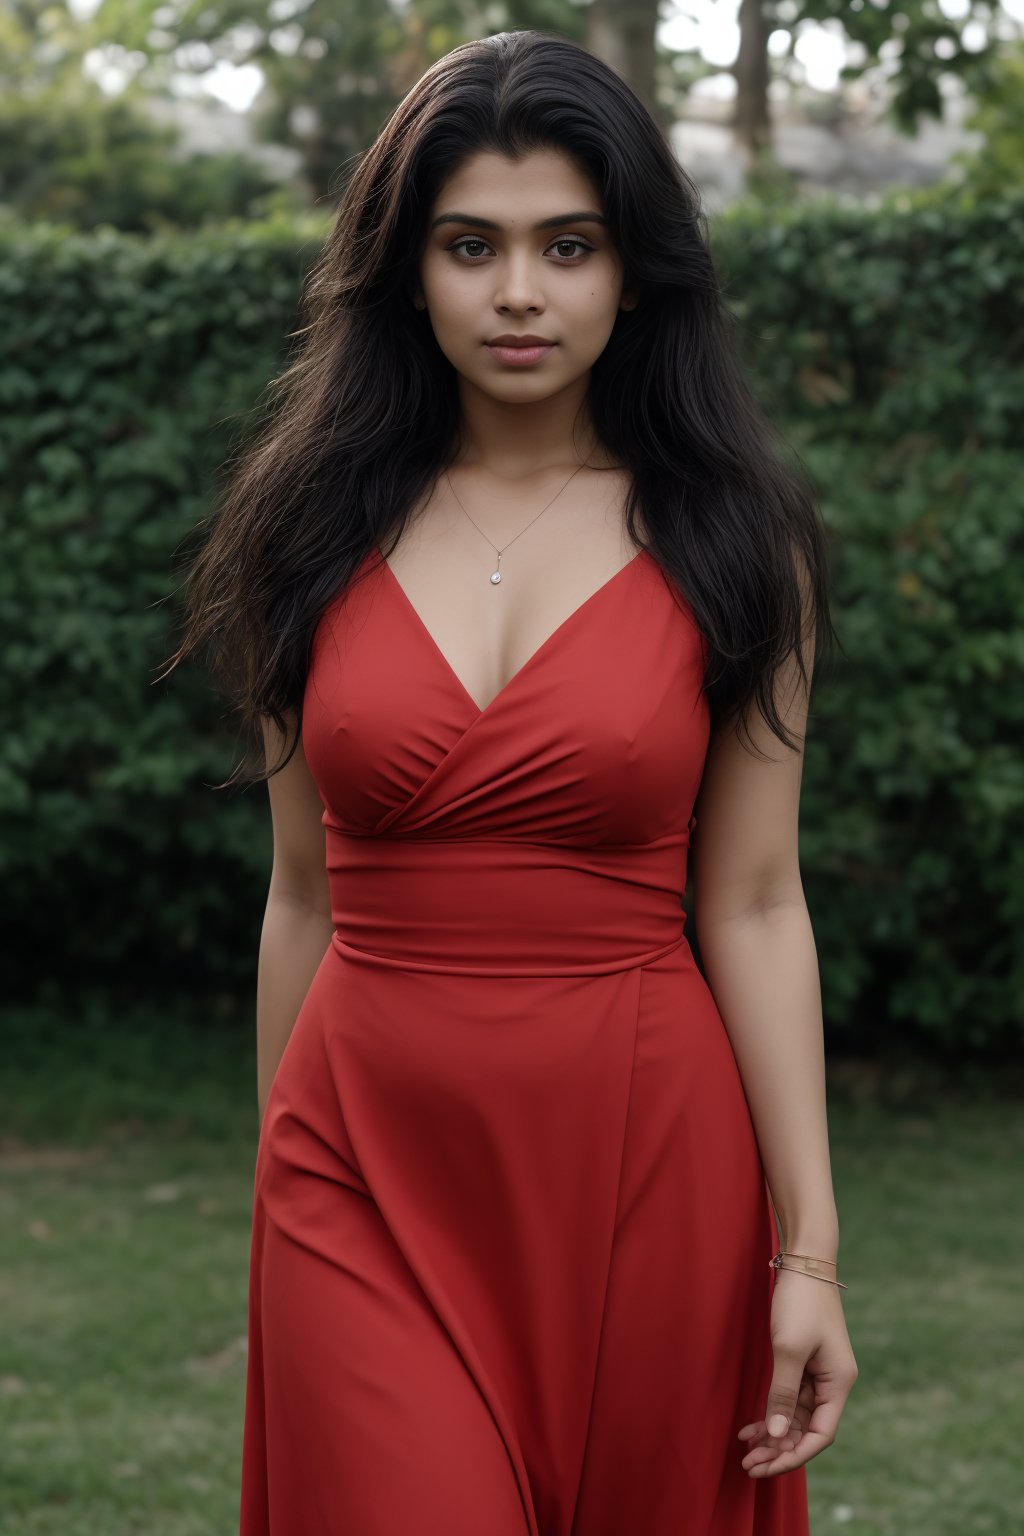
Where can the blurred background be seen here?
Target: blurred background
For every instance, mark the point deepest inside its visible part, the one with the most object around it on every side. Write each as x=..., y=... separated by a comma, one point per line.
x=168, y=172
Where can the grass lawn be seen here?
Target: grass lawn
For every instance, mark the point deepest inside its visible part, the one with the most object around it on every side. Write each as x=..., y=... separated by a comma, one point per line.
x=126, y=1162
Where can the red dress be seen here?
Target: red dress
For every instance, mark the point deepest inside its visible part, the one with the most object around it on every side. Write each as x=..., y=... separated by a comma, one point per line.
x=509, y=1266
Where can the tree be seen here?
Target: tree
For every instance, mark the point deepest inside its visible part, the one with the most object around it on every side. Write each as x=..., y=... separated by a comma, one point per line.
x=915, y=40
x=998, y=165
x=622, y=33
x=335, y=69
x=72, y=154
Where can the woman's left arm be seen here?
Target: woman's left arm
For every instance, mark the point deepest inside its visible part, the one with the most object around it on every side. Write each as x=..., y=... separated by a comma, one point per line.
x=763, y=972
x=758, y=954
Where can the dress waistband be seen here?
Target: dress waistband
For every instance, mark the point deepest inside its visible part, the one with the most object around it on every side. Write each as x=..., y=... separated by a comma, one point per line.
x=506, y=906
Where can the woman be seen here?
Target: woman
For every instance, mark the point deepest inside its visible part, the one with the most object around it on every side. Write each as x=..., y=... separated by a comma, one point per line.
x=521, y=599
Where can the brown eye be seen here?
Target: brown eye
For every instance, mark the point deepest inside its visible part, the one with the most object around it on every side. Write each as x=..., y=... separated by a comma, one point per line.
x=468, y=240
x=577, y=248
x=574, y=240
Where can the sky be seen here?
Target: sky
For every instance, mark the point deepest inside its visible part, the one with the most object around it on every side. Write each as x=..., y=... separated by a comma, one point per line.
x=708, y=25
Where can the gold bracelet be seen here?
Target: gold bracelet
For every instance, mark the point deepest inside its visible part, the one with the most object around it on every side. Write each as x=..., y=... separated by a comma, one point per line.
x=776, y=1263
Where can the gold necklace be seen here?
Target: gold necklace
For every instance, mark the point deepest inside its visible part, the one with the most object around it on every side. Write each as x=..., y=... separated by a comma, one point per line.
x=496, y=573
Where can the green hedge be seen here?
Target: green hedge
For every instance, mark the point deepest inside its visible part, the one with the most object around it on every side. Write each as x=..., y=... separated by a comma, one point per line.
x=889, y=343
x=889, y=347
x=901, y=323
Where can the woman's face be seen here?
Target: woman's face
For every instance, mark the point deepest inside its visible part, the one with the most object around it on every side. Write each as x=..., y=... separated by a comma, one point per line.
x=517, y=247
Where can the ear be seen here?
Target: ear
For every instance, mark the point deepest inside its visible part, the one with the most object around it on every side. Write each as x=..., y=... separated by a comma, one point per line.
x=630, y=299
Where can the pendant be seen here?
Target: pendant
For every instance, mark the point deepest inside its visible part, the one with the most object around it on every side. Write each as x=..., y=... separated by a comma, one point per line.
x=495, y=577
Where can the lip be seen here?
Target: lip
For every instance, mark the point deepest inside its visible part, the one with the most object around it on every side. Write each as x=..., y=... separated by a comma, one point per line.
x=508, y=339
x=519, y=350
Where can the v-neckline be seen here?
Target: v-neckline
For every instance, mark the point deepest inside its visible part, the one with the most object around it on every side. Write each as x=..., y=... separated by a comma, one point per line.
x=534, y=657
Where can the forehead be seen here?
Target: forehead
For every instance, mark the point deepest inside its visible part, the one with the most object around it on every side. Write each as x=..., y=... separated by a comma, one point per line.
x=542, y=181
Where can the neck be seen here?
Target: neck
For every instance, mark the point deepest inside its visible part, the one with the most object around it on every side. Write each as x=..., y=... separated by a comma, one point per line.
x=514, y=441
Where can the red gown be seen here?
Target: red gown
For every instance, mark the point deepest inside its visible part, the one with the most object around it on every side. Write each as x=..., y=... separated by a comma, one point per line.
x=509, y=1266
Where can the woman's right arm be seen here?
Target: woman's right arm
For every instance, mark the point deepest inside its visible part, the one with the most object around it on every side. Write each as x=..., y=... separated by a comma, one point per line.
x=297, y=924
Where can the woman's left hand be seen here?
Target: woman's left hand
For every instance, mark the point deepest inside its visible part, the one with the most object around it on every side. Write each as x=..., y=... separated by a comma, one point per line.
x=814, y=1373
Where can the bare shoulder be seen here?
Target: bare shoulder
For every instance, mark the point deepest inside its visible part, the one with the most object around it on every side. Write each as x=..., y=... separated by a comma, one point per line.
x=300, y=870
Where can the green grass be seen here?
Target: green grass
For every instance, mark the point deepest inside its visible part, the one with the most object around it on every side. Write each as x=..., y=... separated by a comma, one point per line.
x=125, y=1198
x=126, y=1165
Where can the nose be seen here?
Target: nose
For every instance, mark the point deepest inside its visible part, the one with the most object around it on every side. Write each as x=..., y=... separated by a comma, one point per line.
x=517, y=290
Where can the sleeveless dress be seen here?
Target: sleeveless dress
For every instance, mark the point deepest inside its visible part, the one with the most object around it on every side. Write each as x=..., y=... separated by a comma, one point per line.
x=509, y=1267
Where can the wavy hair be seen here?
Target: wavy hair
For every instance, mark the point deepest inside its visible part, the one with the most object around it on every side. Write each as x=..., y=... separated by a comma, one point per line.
x=365, y=416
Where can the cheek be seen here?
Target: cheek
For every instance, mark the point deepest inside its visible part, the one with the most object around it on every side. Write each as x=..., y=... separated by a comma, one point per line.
x=437, y=278
x=450, y=299
x=592, y=315
x=596, y=296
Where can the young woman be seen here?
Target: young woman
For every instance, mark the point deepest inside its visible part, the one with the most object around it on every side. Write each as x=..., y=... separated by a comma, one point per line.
x=523, y=604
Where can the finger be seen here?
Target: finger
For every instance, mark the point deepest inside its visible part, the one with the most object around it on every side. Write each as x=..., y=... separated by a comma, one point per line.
x=801, y=1415
x=759, y=1431
x=810, y=1445
x=817, y=1437
x=769, y=1448
x=825, y=1418
x=764, y=1446
x=784, y=1392
x=760, y=1439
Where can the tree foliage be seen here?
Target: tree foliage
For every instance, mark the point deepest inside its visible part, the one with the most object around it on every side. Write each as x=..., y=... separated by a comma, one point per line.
x=72, y=154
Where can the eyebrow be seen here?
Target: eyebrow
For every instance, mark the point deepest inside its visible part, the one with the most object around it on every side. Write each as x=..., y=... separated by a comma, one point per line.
x=582, y=217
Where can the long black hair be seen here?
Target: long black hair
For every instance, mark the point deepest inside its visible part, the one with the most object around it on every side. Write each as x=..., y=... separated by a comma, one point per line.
x=366, y=415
